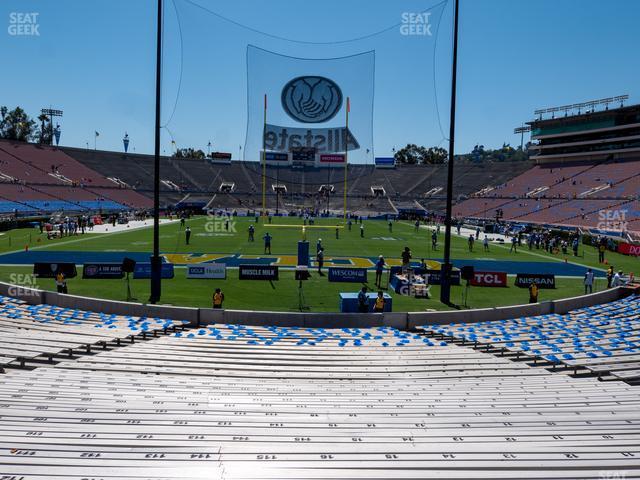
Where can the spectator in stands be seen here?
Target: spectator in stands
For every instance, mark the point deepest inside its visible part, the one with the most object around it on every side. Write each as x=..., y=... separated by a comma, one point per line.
x=252, y=231
x=320, y=261
x=363, y=300
x=218, y=298
x=471, y=241
x=485, y=243
x=379, y=268
x=61, y=282
x=588, y=281
x=267, y=243
x=533, y=293
x=378, y=306
x=187, y=235
x=609, y=276
x=361, y=231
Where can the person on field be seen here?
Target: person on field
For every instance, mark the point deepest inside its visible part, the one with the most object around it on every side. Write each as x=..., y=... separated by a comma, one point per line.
x=588, y=281
x=471, y=242
x=485, y=243
x=609, y=276
x=218, y=298
x=61, y=282
x=533, y=293
x=406, y=258
x=618, y=279
x=363, y=301
x=320, y=260
x=434, y=240
x=378, y=306
x=267, y=243
x=361, y=231
x=379, y=269
x=187, y=235
x=252, y=231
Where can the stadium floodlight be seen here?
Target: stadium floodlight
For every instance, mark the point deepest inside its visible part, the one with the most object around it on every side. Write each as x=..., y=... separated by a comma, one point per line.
x=522, y=130
x=590, y=105
x=51, y=112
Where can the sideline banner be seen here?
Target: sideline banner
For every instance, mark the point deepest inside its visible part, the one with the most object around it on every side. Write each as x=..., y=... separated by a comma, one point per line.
x=102, y=270
x=258, y=272
x=489, y=279
x=350, y=275
x=542, y=280
x=207, y=270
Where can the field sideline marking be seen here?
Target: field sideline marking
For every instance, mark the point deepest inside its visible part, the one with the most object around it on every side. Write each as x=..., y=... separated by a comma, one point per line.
x=527, y=252
x=83, y=239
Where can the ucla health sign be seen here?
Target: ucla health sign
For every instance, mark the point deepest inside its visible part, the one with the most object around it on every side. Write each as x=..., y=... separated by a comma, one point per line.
x=350, y=275
x=207, y=270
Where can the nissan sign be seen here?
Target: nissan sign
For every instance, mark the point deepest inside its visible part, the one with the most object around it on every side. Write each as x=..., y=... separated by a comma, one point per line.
x=542, y=280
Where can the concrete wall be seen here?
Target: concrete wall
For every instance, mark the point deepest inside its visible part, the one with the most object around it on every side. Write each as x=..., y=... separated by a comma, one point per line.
x=400, y=320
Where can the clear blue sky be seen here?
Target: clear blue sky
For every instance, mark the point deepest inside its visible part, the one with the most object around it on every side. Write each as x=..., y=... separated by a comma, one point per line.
x=95, y=59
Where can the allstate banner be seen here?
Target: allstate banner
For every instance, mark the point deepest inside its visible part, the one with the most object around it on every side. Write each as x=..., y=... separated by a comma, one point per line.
x=350, y=275
x=306, y=103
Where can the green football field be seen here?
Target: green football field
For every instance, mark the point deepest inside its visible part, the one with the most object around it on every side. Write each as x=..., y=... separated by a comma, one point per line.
x=209, y=236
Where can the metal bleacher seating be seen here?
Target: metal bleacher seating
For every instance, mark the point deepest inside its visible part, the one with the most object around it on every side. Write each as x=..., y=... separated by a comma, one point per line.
x=236, y=402
x=44, y=332
x=604, y=339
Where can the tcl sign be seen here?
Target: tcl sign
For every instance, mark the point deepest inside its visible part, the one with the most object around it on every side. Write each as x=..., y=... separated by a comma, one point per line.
x=629, y=249
x=489, y=279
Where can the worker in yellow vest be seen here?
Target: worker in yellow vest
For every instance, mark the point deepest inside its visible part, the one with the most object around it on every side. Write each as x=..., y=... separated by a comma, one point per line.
x=61, y=282
x=378, y=306
x=533, y=293
x=218, y=298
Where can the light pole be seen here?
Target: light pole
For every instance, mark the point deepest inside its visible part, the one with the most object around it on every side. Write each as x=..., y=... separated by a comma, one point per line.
x=209, y=149
x=125, y=142
x=51, y=112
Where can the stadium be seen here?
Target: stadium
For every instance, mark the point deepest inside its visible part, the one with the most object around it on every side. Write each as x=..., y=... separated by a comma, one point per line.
x=300, y=295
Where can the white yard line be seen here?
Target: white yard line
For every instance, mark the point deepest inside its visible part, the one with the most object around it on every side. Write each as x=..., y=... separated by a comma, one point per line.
x=89, y=236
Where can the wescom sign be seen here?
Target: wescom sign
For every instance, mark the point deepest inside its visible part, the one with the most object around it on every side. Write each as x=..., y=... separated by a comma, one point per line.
x=489, y=279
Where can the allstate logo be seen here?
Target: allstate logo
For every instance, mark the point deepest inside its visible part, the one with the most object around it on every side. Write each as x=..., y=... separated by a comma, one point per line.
x=311, y=99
